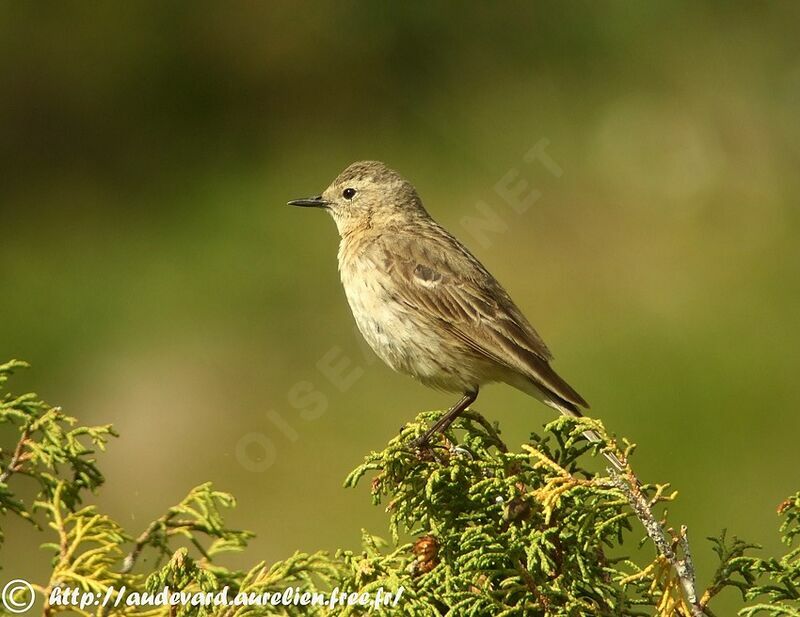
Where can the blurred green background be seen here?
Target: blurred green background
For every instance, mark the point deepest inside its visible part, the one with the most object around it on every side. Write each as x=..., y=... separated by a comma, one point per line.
x=155, y=279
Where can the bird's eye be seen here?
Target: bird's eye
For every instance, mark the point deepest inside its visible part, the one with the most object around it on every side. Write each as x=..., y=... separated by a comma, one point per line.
x=349, y=193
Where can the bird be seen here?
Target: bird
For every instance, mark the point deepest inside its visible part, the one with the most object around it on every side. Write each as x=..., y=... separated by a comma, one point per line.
x=425, y=304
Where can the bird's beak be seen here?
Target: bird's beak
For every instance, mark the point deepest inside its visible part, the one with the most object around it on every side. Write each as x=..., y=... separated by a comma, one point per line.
x=310, y=202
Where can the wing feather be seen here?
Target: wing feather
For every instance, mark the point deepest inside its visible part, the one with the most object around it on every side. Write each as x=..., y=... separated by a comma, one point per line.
x=452, y=286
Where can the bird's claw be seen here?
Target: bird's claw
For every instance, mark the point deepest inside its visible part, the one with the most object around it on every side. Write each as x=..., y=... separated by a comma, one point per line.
x=422, y=448
x=420, y=443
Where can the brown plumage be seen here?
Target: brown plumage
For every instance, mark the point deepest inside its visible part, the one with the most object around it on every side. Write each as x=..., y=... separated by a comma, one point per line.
x=424, y=303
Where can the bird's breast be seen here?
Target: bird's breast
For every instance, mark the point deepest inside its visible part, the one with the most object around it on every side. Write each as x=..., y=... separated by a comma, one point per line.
x=403, y=338
x=381, y=317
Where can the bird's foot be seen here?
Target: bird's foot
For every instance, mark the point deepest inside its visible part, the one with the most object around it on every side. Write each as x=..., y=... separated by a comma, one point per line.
x=422, y=448
x=421, y=442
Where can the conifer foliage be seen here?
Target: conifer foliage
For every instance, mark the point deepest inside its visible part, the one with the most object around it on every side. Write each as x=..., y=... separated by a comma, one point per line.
x=475, y=529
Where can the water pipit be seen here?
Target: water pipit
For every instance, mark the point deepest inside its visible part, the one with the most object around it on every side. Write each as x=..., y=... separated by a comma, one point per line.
x=425, y=304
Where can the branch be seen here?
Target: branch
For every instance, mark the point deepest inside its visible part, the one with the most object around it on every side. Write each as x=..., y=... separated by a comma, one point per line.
x=164, y=523
x=140, y=542
x=684, y=567
x=18, y=458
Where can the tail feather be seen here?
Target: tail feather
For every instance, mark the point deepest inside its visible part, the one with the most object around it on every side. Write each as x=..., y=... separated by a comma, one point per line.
x=568, y=408
x=541, y=372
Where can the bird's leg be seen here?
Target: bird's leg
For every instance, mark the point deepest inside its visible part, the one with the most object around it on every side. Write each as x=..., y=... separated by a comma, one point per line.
x=447, y=419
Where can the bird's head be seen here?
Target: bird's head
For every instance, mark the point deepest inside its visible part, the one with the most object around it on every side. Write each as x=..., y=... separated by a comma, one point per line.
x=367, y=193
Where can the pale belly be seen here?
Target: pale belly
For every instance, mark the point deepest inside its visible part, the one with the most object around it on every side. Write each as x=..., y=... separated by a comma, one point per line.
x=387, y=327
x=409, y=342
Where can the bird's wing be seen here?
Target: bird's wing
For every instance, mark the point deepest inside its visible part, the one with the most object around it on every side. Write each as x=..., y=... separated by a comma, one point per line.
x=441, y=278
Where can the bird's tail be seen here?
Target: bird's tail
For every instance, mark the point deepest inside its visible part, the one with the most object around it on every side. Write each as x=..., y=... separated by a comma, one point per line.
x=552, y=399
